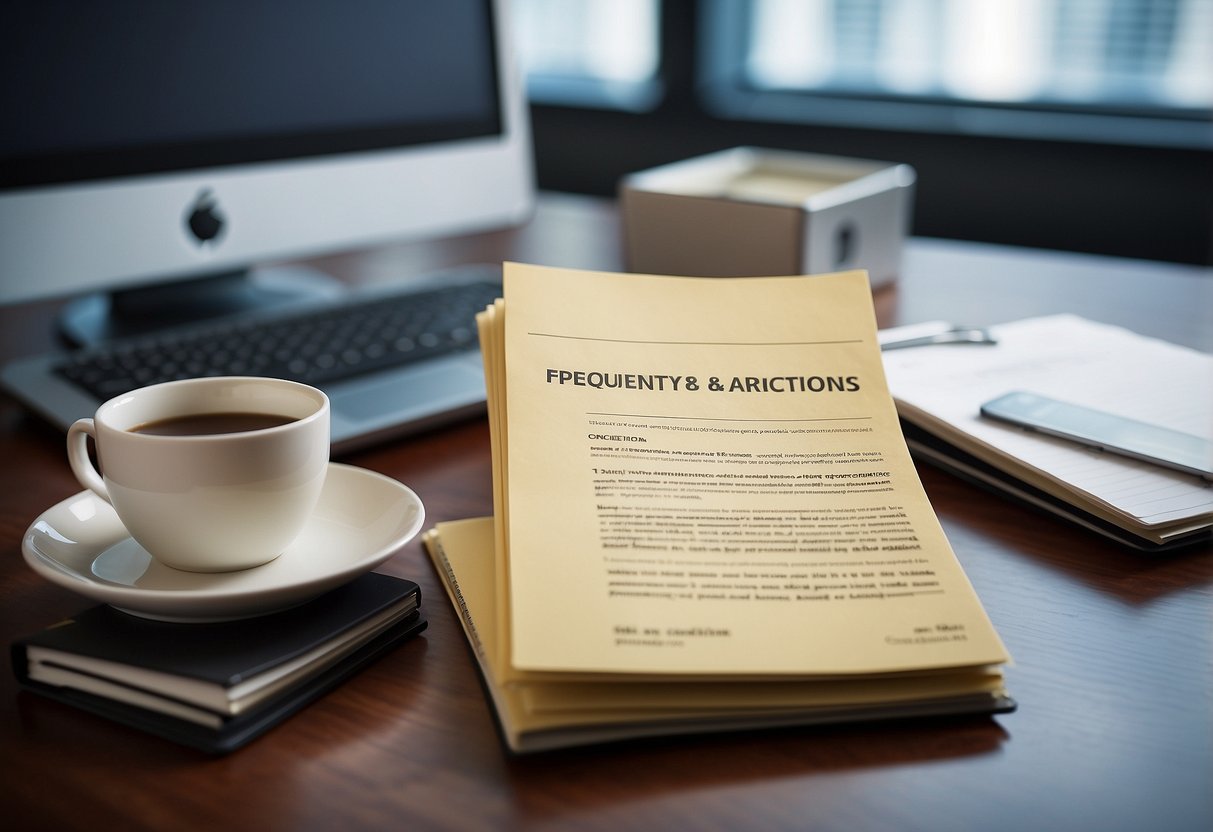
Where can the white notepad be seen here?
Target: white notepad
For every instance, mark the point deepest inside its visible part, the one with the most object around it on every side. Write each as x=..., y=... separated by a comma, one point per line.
x=941, y=388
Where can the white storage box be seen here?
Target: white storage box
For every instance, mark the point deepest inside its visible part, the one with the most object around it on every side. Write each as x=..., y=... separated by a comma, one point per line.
x=749, y=212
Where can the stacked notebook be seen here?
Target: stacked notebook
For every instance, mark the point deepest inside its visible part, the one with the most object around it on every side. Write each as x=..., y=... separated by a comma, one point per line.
x=217, y=686
x=705, y=518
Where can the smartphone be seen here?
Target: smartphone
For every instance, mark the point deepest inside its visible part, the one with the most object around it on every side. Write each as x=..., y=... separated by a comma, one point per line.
x=1106, y=431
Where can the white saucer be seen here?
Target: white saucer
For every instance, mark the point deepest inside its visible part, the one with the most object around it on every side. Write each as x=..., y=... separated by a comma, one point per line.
x=362, y=519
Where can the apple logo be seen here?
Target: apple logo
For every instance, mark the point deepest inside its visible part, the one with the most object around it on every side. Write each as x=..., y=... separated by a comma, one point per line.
x=203, y=218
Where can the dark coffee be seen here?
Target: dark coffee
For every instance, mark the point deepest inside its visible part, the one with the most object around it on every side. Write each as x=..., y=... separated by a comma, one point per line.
x=210, y=424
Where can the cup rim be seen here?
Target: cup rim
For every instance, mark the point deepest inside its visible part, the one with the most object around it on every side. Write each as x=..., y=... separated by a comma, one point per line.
x=103, y=414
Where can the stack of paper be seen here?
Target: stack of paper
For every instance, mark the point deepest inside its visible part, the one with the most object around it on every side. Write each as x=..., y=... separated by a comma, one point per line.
x=939, y=391
x=705, y=517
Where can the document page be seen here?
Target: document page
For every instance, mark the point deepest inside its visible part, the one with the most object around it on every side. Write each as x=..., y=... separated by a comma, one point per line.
x=706, y=476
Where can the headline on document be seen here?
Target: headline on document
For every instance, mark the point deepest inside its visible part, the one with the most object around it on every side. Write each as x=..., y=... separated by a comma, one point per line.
x=715, y=384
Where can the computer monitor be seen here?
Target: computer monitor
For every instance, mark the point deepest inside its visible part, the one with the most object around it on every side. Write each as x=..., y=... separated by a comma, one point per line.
x=151, y=144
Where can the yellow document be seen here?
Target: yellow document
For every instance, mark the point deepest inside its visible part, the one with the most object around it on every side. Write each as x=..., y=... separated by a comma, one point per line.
x=705, y=478
x=542, y=714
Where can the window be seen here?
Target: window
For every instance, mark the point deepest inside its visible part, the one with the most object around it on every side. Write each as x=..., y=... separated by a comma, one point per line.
x=1122, y=71
x=597, y=53
x=1083, y=125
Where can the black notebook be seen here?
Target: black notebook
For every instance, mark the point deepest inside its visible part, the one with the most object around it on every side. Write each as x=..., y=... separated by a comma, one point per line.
x=217, y=686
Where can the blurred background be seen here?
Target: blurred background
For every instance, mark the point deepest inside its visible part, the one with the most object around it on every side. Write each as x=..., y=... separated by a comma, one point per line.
x=1082, y=125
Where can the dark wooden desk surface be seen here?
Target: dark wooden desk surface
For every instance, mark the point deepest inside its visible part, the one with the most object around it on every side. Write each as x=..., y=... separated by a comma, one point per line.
x=1113, y=650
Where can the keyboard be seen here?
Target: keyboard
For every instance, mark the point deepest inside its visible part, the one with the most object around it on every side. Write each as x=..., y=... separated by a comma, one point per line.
x=392, y=361
x=319, y=347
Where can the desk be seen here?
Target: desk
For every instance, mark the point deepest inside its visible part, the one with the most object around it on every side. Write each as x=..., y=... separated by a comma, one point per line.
x=1113, y=650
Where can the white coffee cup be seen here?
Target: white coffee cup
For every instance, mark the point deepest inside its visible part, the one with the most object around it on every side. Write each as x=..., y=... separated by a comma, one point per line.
x=208, y=502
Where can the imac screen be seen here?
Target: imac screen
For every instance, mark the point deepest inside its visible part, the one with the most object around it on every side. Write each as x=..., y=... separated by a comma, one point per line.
x=307, y=126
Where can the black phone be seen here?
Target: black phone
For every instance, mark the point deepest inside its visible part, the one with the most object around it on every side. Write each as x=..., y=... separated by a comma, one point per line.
x=1106, y=431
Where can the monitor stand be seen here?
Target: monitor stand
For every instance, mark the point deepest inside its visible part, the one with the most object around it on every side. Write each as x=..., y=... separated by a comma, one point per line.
x=106, y=316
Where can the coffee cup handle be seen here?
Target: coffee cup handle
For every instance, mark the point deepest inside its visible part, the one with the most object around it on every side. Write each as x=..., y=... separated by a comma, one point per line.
x=77, y=457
